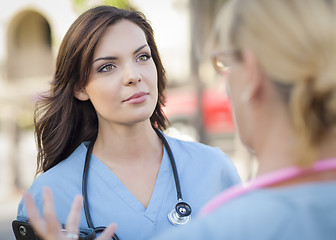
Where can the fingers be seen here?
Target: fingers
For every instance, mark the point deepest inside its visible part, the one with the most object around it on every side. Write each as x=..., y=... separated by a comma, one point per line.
x=49, y=227
x=108, y=232
x=72, y=224
x=50, y=217
x=35, y=219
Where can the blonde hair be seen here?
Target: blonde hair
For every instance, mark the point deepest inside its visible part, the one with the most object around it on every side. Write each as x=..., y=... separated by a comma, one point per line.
x=295, y=43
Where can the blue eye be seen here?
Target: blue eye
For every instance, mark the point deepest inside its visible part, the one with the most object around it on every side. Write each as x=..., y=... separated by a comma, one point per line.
x=143, y=57
x=106, y=68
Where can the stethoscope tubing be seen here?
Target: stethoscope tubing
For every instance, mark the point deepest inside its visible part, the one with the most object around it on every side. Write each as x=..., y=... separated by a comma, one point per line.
x=173, y=164
x=84, y=191
x=84, y=183
x=86, y=173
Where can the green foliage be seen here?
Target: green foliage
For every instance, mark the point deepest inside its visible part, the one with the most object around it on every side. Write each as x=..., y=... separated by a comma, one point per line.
x=118, y=3
x=80, y=2
x=82, y=5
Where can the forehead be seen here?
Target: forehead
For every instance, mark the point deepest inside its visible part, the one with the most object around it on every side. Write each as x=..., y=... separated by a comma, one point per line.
x=121, y=37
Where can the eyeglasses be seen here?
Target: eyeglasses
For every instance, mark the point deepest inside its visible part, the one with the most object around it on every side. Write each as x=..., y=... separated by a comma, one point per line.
x=221, y=60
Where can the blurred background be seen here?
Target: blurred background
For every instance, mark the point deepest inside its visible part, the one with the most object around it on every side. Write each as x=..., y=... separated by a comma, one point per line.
x=30, y=34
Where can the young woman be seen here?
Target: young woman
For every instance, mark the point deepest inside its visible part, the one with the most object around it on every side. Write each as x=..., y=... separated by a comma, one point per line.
x=99, y=134
x=281, y=56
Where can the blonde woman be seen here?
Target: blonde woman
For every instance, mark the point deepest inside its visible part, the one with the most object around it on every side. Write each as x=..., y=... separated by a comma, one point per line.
x=280, y=60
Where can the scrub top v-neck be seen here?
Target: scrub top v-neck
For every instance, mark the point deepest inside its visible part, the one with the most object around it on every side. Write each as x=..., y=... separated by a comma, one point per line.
x=203, y=171
x=164, y=178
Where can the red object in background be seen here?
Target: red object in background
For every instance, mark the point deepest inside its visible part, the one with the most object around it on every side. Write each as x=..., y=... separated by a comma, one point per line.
x=181, y=106
x=217, y=112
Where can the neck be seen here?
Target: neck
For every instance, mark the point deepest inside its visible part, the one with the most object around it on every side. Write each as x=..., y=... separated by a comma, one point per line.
x=127, y=144
x=326, y=148
x=269, y=160
x=275, y=143
x=281, y=151
x=280, y=156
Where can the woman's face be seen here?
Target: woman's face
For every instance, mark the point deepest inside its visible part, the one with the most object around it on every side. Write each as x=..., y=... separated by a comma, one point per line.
x=236, y=77
x=122, y=85
x=235, y=85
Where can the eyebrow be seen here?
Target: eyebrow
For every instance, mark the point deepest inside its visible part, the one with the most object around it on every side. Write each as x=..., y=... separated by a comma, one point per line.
x=114, y=58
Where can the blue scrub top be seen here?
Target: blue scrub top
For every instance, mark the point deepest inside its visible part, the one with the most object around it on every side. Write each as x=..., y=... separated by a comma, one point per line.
x=204, y=172
x=306, y=211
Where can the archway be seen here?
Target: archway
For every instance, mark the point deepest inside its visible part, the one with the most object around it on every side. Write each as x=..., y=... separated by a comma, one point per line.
x=28, y=69
x=29, y=46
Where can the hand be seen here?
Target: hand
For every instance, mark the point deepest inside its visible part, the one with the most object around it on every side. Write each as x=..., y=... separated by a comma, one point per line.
x=49, y=228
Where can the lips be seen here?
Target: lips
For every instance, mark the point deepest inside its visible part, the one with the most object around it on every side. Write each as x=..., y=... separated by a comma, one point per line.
x=137, y=97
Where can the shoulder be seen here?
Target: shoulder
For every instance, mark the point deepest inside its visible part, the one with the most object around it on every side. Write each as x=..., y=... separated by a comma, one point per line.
x=213, y=158
x=64, y=179
x=300, y=212
x=67, y=170
x=195, y=148
x=198, y=158
x=266, y=214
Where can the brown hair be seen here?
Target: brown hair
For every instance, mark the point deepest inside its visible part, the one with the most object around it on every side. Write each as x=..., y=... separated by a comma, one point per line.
x=63, y=122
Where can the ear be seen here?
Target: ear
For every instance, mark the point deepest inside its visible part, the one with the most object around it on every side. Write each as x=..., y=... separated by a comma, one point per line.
x=255, y=76
x=81, y=94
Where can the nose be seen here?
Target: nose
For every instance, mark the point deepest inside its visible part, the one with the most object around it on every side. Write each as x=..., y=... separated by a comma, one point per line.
x=131, y=75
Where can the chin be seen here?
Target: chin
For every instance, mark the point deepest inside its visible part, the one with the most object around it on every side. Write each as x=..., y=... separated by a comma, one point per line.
x=140, y=118
x=139, y=115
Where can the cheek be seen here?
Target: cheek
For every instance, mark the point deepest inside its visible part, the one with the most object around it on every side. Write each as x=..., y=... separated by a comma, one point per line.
x=240, y=108
x=235, y=91
x=153, y=72
x=237, y=84
x=102, y=92
x=151, y=76
x=155, y=89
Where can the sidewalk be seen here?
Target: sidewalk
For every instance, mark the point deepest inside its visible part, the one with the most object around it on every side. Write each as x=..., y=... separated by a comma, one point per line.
x=8, y=208
x=9, y=197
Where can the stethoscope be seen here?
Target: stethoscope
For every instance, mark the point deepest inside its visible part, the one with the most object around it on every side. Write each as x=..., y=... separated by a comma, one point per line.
x=179, y=215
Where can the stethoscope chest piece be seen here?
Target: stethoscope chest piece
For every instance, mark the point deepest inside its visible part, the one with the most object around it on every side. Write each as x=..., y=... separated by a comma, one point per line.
x=180, y=214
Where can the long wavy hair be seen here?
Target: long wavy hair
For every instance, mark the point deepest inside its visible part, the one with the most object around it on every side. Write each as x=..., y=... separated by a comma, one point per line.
x=63, y=122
